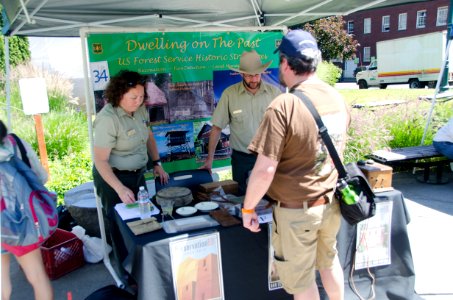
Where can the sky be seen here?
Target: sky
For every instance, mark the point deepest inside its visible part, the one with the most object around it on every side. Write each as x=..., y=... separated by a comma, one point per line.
x=60, y=54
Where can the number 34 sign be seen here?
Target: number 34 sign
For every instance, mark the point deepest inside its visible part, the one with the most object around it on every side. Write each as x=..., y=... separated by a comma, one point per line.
x=99, y=75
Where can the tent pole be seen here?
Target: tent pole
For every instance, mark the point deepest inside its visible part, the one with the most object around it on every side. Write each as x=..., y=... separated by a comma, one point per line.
x=442, y=80
x=90, y=109
x=7, y=84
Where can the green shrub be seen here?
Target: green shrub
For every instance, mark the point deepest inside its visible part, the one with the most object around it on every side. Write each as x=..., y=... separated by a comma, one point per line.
x=69, y=172
x=328, y=72
x=367, y=132
x=393, y=127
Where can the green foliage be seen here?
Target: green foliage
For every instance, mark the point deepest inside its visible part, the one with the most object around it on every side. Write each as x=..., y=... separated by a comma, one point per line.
x=333, y=40
x=367, y=132
x=65, y=130
x=393, y=126
x=69, y=172
x=19, y=51
x=328, y=72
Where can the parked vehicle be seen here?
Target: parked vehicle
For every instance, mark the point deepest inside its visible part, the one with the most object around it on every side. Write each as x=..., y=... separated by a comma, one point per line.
x=359, y=69
x=414, y=60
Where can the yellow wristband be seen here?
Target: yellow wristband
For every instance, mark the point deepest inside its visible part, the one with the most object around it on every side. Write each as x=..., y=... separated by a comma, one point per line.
x=248, y=211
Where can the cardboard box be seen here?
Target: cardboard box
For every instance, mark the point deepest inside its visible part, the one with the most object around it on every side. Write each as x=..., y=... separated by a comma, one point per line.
x=229, y=186
x=378, y=175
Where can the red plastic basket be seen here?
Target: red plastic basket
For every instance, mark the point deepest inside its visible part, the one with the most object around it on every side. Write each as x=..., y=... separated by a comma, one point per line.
x=62, y=253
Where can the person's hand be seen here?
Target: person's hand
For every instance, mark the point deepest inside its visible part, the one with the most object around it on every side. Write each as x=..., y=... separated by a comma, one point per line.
x=250, y=221
x=126, y=195
x=160, y=172
x=207, y=165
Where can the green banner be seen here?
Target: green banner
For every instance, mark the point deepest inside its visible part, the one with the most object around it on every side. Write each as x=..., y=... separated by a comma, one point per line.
x=186, y=74
x=188, y=56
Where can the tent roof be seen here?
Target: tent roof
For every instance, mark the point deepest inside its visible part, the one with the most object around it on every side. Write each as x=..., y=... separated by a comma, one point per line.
x=65, y=17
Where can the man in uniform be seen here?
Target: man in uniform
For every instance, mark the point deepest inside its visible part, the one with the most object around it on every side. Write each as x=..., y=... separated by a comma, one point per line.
x=242, y=106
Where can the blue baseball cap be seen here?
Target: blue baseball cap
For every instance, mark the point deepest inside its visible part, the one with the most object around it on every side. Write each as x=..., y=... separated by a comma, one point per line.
x=298, y=43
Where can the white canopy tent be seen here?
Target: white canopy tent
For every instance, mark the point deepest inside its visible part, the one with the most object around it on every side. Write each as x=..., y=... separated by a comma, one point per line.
x=63, y=18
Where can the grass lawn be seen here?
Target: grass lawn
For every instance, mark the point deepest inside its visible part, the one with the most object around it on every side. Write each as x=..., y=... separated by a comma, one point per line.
x=354, y=96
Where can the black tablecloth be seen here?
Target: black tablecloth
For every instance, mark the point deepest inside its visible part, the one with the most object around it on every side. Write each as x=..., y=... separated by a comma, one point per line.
x=245, y=261
x=394, y=281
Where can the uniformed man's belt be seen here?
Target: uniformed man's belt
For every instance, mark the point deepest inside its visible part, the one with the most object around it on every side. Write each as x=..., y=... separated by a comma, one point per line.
x=311, y=203
x=240, y=153
x=137, y=171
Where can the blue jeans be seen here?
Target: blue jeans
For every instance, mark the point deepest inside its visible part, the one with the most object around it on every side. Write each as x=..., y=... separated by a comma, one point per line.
x=445, y=148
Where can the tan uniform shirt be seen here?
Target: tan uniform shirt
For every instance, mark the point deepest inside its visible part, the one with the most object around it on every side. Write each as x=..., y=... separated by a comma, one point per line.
x=243, y=111
x=289, y=135
x=124, y=134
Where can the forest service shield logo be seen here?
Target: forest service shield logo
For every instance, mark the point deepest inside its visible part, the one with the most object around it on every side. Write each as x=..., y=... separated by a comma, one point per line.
x=97, y=48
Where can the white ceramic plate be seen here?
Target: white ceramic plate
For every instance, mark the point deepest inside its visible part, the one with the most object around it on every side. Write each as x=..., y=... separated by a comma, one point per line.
x=206, y=206
x=186, y=211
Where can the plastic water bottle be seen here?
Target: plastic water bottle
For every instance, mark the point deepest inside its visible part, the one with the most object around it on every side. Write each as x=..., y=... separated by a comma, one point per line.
x=349, y=196
x=144, y=204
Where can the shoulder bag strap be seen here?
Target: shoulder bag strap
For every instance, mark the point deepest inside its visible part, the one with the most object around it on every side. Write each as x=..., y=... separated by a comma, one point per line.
x=23, y=152
x=323, y=133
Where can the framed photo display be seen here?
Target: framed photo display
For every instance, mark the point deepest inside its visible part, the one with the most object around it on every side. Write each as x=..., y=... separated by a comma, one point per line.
x=196, y=266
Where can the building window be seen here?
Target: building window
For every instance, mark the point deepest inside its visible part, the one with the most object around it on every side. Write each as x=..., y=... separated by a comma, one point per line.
x=385, y=23
x=366, y=54
x=421, y=19
x=367, y=25
x=442, y=16
x=350, y=27
x=402, y=21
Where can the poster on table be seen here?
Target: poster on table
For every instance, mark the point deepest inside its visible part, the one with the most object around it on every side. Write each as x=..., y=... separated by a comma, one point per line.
x=186, y=74
x=373, y=244
x=197, y=267
x=274, y=282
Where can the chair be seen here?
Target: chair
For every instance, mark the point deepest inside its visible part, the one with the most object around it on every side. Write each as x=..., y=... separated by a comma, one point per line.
x=189, y=178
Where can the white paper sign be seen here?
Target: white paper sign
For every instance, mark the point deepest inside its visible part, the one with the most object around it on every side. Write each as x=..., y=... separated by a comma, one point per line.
x=374, y=238
x=100, y=75
x=33, y=92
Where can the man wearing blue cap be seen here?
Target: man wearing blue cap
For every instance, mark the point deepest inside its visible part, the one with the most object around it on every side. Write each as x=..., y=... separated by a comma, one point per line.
x=295, y=170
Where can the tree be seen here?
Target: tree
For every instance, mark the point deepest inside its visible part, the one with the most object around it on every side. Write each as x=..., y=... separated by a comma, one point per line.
x=333, y=40
x=19, y=49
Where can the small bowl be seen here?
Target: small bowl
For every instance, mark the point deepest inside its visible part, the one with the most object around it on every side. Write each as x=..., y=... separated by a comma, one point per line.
x=186, y=211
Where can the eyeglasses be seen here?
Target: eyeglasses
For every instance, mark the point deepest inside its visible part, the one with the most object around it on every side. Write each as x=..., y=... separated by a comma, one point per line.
x=250, y=76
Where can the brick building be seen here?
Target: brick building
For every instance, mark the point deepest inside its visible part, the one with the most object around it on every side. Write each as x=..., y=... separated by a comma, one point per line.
x=371, y=26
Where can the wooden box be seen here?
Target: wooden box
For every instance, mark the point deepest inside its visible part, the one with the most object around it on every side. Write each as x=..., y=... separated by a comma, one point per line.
x=229, y=186
x=378, y=175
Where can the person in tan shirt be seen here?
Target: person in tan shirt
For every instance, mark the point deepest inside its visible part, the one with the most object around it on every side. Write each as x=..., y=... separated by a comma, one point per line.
x=123, y=142
x=242, y=106
x=295, y=170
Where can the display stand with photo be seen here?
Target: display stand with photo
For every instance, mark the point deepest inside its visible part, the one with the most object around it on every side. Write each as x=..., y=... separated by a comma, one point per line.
x=197, y=267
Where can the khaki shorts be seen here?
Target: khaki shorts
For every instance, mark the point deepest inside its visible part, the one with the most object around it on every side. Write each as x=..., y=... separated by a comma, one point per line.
x=304, y=241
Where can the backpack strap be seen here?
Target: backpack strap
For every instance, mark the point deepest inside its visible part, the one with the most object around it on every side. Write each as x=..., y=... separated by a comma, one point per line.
x=23, y=152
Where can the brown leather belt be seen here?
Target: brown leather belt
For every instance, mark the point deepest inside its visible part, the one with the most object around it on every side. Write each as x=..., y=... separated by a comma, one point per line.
x=311, y=203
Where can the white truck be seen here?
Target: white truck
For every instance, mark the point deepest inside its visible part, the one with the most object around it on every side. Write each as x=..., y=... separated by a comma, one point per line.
x=416, y=60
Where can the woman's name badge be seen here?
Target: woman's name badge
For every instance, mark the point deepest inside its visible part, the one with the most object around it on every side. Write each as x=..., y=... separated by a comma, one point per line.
x=131, y=132
x=237, y=111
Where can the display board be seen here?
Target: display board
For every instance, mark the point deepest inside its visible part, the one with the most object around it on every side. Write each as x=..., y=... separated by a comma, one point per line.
x=186, y=75
x=196, y=264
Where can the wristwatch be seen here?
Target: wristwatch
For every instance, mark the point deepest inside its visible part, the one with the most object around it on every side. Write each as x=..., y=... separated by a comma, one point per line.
x=157, y=163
